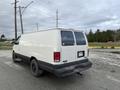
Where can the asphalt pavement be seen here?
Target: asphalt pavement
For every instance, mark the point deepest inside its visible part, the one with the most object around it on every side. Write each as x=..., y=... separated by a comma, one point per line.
x=104, y=75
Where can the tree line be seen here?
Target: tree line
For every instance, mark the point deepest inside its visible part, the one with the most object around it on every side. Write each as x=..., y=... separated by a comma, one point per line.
x=104, y=36
x=2, y=37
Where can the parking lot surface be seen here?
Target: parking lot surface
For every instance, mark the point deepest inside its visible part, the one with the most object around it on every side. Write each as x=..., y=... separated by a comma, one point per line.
x=104, y=75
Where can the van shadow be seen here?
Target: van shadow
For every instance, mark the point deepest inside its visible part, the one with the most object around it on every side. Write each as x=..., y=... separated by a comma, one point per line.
x=52, y=80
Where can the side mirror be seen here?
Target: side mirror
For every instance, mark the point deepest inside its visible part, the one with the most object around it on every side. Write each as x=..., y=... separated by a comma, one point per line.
x=15, y=42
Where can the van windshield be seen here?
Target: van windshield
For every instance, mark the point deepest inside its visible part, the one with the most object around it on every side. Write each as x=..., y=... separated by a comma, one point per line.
x=67, y=38
x=80, y=39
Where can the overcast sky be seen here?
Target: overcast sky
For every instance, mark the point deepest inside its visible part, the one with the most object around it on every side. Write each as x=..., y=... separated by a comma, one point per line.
x=78, y=14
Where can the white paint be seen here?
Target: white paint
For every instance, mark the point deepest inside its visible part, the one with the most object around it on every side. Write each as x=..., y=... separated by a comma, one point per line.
x=95, y=70
x=113, y=78
x=114, y=64
x=13, y=65
x=108, y=76
x=107, y=58
x=7, y=56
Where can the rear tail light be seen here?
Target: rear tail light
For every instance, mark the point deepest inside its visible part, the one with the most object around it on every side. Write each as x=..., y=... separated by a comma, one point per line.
x=56, y=56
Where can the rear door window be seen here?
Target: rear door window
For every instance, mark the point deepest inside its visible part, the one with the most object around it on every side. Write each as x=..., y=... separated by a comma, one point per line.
x=67, y=38
x=80, y=39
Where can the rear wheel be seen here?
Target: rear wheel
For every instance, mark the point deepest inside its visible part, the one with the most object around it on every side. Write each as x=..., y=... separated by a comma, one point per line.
x=35, y=70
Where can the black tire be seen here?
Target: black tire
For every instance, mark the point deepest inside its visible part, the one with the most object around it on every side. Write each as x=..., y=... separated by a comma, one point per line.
x=14, y=57
x=35, y=70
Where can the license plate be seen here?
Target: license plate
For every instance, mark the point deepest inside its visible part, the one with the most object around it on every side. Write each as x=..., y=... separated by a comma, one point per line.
x=80, y=54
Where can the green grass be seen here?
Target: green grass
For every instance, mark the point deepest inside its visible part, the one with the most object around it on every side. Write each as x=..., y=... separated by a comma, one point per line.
x=5, y=45
x=105, y=45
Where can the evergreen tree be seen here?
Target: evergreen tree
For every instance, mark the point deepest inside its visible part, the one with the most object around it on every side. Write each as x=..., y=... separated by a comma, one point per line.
x=104, y=36
x=90, y=36
x=2, y=36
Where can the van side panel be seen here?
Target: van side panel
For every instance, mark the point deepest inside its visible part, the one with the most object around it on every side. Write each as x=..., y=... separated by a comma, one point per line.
x=40, y=45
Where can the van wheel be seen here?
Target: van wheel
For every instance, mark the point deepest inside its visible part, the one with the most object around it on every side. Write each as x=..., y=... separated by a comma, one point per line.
x=35, y=70
x=14, y=57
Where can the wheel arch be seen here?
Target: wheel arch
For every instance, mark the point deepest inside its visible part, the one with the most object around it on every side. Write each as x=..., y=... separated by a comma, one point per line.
x=32, y=57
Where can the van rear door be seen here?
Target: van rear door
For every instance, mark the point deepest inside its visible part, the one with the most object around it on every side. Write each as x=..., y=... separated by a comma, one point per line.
x=81, y=45
x=68, y=46
x=73, y=46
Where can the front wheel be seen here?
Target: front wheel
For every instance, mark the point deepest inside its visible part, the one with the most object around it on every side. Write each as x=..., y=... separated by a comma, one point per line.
x=35, y=70
x=14, y=57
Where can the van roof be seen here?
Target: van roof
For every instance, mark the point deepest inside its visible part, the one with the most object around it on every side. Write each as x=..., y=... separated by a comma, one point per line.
x=55, y=29
x=69, y=29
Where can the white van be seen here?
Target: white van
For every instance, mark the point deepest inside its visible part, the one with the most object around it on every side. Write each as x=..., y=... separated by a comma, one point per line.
x=59, y=51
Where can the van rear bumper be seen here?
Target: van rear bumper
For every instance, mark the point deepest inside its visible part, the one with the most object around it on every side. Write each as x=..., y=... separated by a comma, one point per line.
x=68, y=68
x=73, y=68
